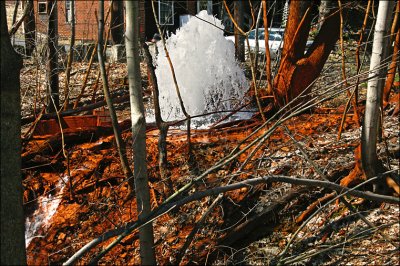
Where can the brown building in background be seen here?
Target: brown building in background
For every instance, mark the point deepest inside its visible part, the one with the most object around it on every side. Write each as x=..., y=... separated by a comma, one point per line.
x=85, y=18
x=171, y=15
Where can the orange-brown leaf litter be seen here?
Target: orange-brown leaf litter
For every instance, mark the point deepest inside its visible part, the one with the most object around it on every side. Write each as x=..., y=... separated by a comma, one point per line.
x=97, y=202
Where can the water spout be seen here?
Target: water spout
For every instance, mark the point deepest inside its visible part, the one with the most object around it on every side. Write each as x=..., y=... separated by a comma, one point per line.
x=208, y=75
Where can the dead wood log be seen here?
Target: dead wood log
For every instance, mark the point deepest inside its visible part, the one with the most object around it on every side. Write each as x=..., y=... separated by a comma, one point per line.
x=89, y=107
x=53, y=144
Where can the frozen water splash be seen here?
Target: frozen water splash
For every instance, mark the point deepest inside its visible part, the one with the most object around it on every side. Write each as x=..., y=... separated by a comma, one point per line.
x=38, y=222
x=208, y=76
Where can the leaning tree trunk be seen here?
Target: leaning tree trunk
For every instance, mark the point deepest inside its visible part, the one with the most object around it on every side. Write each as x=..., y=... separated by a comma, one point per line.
x=298, y=70
x=372, y=166
x=52, y=100
x=114, y=120
x=30, y=29
x=138, y=132
x=117, y=22
x=12, y=215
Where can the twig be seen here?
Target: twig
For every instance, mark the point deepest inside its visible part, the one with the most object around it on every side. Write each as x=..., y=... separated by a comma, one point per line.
x=358, y=236
x=182, y=105
x=90, y=65
x=114, y=120
x=65, y=153
x=346, y=190
x=196, y=228
x=168, y=206
x=253, y=74
x=350, y=95
x=320, y=173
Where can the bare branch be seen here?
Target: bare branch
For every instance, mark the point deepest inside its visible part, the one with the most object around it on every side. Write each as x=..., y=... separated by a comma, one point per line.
x=168, y=206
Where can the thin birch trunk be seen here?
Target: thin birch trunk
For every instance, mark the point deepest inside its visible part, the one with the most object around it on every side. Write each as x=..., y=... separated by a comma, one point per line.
x=146, y=237
x=370, y=130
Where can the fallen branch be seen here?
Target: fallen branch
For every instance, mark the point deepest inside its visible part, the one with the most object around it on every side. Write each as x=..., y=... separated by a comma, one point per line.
x=89, y=107
x=54, y=143
x=281, y=115
x=168, y=206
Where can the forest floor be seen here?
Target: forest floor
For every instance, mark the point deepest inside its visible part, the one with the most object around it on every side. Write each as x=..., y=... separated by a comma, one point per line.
x=251, y=225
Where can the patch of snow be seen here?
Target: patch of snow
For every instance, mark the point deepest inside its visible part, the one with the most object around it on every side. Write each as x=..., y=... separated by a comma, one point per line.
x=48, y=205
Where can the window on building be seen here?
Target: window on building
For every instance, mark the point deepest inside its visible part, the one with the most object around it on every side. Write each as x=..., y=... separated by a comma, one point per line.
x=204, y=5
x=42, y=7
x=166, y=12
x=68, y=11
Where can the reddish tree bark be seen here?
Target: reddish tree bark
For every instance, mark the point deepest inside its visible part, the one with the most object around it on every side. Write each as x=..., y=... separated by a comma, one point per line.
x=392, y=68
x=298, y=70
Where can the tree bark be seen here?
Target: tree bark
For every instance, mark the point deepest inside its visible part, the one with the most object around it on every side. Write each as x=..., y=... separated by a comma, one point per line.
x=117, y=22
x=372, y=166
x=53, y=100
x=239, y=39
x=298, y=70
x=394, y=33
x=12, y=215
x=146, y=237
x=30, y=29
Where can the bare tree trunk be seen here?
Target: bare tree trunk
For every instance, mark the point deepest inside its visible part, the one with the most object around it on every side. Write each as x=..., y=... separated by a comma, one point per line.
x=114, y=121
x=14, y=18
x=30, y=29
x=146, y=237
x=161, y=124
x=117, y=22
x=53, y=99
x=239, y=39
x=70, y=56
x=12, y=215
x=372, y=166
